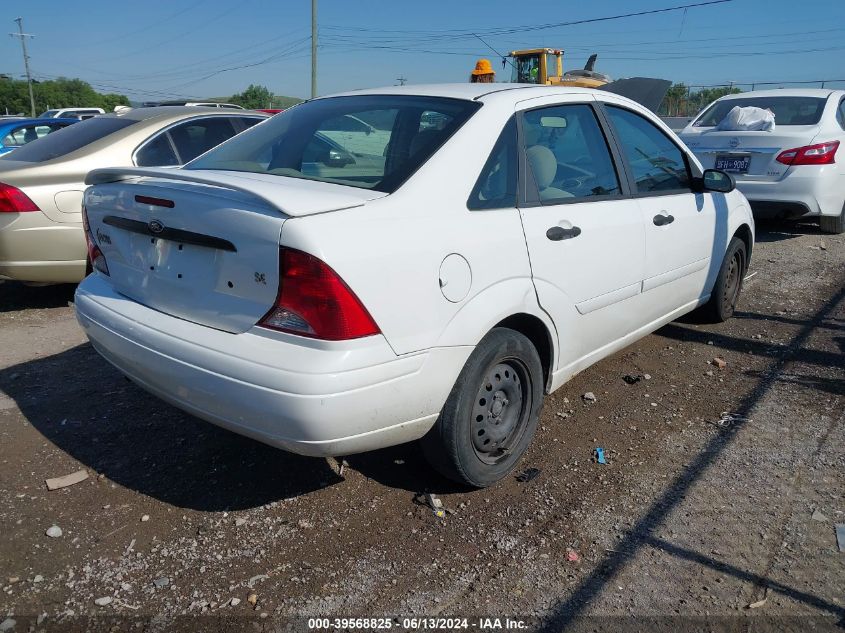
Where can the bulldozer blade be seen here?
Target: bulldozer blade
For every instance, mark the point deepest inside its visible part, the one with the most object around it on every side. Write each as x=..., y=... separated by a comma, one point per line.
x=646, y=91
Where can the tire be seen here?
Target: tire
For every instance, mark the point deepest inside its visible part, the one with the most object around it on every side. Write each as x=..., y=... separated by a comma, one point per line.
x=728, y=284
x=834, y=224
x=491, y=413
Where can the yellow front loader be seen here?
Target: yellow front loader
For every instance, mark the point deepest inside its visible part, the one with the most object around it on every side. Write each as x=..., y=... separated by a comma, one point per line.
x=545, y=66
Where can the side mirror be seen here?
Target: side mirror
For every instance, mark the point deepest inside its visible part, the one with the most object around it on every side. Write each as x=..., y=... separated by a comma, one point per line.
x=717, y=181
x=339, y=158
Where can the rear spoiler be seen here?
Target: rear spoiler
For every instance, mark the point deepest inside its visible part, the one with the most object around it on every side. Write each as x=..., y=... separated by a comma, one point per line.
x=646, y=91
x=301, y=202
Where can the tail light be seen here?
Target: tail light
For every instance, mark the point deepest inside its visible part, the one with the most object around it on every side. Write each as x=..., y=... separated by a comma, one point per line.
x=13, y=200
x=314, y=301
x=819, y=154
x=95, y=255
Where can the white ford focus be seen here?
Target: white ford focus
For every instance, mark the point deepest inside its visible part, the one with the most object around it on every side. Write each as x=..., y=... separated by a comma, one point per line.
x=329, y=287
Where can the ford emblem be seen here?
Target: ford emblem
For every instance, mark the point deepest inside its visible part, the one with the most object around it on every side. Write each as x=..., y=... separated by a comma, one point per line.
x=734, y=142
x=155, y=226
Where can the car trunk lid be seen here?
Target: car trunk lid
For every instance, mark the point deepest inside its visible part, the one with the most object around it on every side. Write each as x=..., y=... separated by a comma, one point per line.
x=202, y=247
x=749, y=156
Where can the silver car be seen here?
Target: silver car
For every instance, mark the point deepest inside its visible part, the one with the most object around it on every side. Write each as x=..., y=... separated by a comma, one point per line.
x=41, y=184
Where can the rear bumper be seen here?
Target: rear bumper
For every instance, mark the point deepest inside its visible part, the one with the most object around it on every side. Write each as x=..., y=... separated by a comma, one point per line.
x=305, y=397
x=34, y=248
x=804, y=191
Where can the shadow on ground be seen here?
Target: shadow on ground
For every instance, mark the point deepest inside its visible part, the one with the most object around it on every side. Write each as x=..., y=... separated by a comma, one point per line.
x=90, y=411
x=641, y=535
x=17, y=296
x=779, y=230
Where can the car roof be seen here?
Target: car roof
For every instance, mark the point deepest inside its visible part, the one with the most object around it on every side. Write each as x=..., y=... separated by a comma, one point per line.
x=176, y=113
x=785, y=92
x=468, y=90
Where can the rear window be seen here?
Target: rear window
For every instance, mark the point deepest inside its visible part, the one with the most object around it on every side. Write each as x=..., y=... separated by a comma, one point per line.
x=372, y=142
x=787, y=110
x=69, y=139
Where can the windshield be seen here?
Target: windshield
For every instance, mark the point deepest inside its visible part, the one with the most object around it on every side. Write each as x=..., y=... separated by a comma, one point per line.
x=372, y=142
x=526, y=69
x=69, y=139
x=787, y=110
x=49, y=114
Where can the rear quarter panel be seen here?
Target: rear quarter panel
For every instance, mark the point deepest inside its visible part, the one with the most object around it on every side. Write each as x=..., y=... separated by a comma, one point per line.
x=390, y=251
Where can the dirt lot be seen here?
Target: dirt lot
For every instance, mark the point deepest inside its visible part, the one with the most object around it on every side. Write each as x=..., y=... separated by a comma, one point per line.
x=692, y=521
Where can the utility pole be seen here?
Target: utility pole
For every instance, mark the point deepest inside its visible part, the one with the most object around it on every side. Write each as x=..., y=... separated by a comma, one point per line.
x=23, y=37
x=313, y=48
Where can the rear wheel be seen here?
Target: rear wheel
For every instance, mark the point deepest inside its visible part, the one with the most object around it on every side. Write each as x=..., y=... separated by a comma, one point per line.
x=491, y=414
x=728, y=284
x=833, y=223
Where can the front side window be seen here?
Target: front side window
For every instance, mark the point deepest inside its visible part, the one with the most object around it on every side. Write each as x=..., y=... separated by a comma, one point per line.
x=840, y=114
x=371, y=142
x=567, y=154
x=496, y=186
x=657, y=164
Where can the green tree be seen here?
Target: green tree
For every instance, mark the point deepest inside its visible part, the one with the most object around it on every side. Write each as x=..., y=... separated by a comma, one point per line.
x=57, y=93
x=254, y=97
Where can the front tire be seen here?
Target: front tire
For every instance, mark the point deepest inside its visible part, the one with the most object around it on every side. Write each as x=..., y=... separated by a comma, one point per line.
x=834, y=224
x=491, y=413
x=728, y=284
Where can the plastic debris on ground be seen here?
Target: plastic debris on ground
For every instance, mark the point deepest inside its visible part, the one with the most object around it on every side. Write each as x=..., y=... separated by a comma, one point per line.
x=572, y=556
x=528, y=474
x=67, y=480
x=818, y=516
x=599, y=455
x=727, y=419
x=436, y=505
x=632, y=380
x=747, y=119
x=761, y=602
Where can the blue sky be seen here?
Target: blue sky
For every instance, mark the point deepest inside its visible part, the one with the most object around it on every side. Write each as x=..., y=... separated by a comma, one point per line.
x=187, y=48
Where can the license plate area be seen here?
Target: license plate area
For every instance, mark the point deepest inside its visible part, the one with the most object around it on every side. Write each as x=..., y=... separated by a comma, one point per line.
x=733, y=163
x=173, y=262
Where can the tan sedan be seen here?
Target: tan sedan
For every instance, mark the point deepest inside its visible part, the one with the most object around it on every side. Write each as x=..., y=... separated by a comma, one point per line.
x=41, y=184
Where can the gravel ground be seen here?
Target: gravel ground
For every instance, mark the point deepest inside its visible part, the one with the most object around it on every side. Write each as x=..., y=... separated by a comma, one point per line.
x=699, y=519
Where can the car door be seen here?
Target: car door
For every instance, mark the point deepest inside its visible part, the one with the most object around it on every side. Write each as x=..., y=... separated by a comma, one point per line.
x=679, y=224
x=584, y=233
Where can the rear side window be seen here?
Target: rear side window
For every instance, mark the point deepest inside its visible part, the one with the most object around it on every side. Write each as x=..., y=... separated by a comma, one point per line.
x=197, y=136
x=567, y=154
x=657, y=164
x=496, y=185
x=157, y=153
x=840, y=114
x=787, y=110
x=69, y=139
x=368, y=141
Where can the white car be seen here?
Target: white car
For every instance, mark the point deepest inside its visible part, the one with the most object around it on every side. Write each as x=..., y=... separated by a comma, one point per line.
x=434, y=287
x=72, y=113
x=796, y=170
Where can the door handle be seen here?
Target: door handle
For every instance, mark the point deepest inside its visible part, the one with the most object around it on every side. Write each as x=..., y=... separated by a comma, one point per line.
x=557, y=233
x=660, y=219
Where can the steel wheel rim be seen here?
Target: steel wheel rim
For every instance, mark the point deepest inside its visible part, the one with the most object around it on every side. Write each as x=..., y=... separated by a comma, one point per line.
x=732, y=282
x=501, y=410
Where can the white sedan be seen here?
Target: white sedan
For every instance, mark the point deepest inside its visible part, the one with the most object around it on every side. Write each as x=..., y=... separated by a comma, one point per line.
x=796, y=170
x=418, y=281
